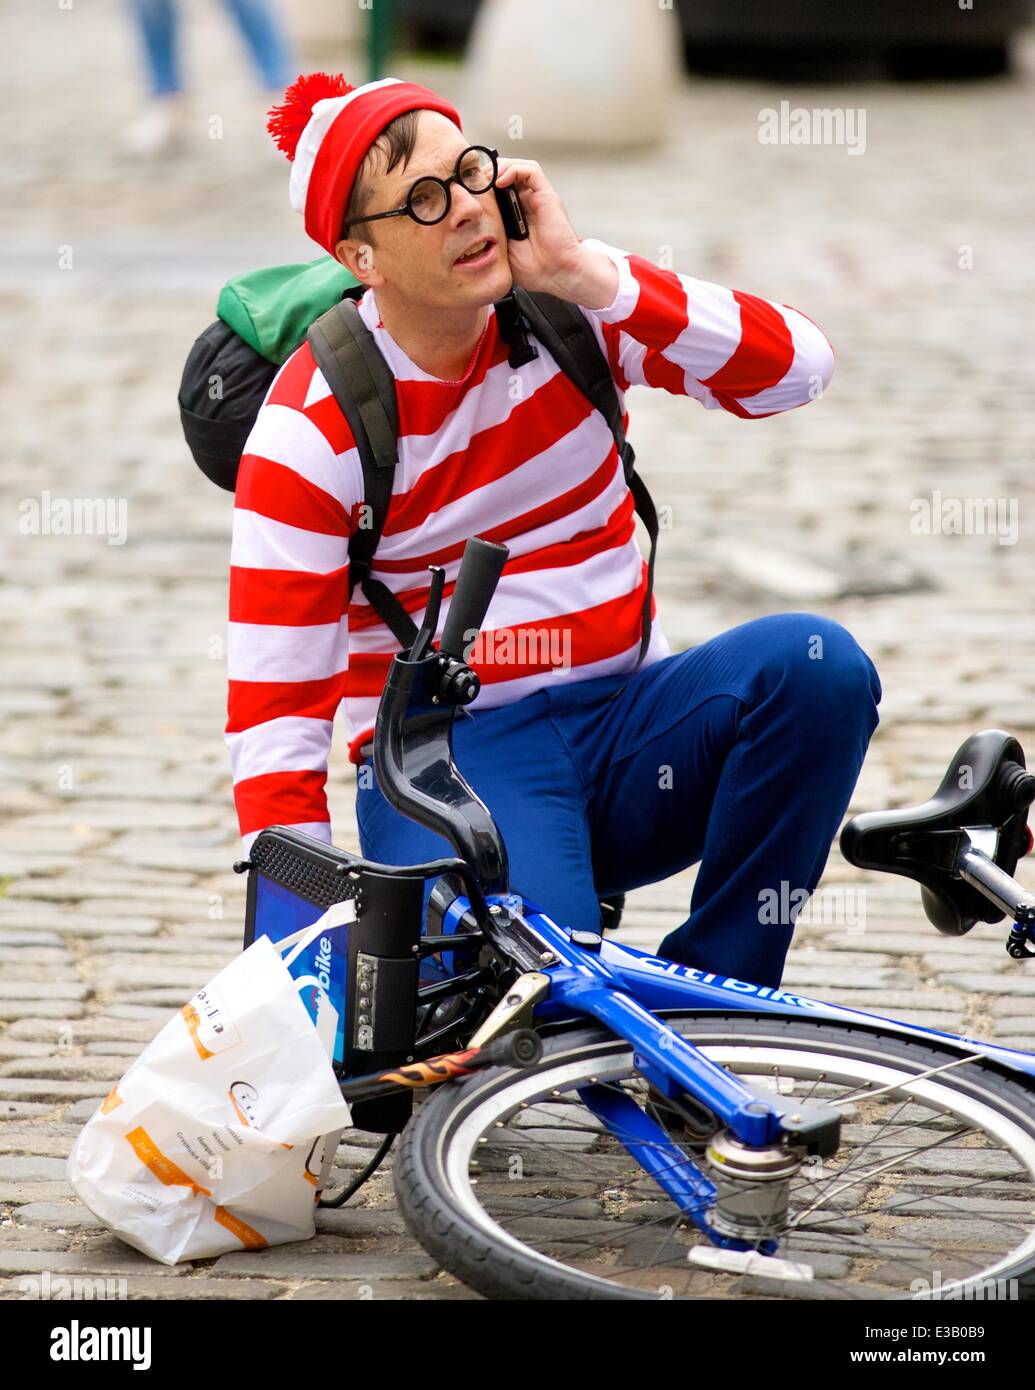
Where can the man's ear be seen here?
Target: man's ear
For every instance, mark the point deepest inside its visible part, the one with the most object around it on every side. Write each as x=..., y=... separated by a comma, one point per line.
x=359, y=260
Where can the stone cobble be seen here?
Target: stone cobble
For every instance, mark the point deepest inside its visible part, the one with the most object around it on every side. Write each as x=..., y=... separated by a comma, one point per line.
x=117, y=831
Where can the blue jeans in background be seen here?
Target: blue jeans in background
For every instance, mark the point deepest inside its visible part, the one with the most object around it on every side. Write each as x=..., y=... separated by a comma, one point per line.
x=158, y=22
x=741, y=753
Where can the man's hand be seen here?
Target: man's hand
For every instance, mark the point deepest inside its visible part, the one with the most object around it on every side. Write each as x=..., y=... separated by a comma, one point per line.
x=553, y=259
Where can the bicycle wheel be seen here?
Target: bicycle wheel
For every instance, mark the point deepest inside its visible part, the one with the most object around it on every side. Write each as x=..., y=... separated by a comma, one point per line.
x=512, y=1183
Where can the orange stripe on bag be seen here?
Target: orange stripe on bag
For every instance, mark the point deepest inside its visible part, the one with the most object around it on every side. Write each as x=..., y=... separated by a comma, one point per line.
x=164, y=1169
x=111, y=1100
x=191, y=1018
x=247, y=1235
x=240, y=1113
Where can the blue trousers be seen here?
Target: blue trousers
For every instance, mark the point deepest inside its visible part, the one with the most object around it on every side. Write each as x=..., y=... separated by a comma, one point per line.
x=158, y=22
x=741, y=754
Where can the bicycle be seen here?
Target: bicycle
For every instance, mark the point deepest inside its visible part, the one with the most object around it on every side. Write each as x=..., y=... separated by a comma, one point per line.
x=613, y=1125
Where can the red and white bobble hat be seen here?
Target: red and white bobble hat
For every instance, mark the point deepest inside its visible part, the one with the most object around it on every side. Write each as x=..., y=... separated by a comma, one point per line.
x=325, y=127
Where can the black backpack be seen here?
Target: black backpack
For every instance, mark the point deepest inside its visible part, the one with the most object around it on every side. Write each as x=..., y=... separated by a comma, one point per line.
x=216, y=425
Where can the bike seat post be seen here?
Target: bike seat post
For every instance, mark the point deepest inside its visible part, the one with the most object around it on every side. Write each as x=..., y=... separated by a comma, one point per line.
x=977, y=869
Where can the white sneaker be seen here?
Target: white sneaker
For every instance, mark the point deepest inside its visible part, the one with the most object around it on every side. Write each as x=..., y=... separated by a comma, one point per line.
x=159, y=129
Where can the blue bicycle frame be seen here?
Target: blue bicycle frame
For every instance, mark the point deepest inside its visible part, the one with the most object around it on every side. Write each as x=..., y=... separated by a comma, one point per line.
x=626, y=989
x=580, y=974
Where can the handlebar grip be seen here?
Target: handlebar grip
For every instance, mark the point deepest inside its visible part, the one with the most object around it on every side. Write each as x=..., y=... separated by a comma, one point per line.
x=480, y=571
x=519, y=1048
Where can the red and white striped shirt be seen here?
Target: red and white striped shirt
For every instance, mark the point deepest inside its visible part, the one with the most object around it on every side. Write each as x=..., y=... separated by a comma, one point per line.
x=515, y=455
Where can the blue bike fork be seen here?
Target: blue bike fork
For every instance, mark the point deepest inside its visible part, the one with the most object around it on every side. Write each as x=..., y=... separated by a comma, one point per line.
x=581, y=983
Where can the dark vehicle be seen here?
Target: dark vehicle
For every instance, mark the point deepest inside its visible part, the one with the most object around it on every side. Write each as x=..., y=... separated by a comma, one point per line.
x=795, y=40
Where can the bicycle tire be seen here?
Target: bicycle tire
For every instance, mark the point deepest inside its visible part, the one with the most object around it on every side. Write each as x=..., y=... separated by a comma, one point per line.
x=495, y=1268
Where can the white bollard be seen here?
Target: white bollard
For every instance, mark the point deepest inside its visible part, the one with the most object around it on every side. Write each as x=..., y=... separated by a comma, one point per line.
x=589, y=74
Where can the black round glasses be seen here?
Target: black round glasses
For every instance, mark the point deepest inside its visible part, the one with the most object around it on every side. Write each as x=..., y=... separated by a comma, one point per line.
x=429, y=199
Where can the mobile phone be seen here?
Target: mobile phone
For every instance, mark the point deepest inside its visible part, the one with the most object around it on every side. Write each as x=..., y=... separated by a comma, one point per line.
x=512, y=213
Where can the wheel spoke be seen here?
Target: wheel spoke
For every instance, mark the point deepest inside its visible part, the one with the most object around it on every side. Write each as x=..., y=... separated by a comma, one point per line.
x=883, y=1212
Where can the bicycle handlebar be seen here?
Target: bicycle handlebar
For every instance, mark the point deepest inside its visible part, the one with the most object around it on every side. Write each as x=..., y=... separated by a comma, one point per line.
x=480, y=571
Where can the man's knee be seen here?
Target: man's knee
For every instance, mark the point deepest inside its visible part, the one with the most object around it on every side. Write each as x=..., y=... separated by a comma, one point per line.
x=820, y=668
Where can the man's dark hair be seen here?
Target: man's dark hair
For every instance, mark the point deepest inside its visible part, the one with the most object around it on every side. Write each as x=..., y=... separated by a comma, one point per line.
x=396, y=143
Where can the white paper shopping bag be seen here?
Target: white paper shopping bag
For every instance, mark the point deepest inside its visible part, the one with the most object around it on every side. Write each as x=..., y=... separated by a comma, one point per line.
x=222, y=1132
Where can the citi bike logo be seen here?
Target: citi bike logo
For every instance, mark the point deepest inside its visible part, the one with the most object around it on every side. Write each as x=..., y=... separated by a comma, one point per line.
x=322, y=964
x=685, y=972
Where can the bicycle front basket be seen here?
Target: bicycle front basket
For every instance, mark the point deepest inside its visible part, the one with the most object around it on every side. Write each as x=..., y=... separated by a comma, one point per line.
x=369, y=967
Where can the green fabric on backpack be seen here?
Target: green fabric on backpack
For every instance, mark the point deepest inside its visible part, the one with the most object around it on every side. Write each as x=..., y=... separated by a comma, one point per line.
x=272, y=308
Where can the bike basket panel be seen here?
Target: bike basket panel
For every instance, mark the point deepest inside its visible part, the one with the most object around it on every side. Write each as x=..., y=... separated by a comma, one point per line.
x=369, y=967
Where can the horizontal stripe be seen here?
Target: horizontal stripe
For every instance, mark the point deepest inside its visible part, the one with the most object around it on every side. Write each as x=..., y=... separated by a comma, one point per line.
x=554, y=522
x=427, y=407
x=587, y=635
x=290, y=385
x=280, y=798
x=543, y=488
x=533, y=428
x=292, y=388
x=259, y=542
x=272, y=652
x=288, y=597
x=280, y=745
x=293, y=439
x=254, y=702
x=362, y=710
x=319, y=830
x=531, y=592
x=278, y=493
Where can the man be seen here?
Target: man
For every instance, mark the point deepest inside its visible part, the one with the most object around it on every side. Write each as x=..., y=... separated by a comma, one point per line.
x=740, y=753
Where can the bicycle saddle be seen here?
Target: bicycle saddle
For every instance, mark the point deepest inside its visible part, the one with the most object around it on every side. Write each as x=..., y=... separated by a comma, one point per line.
x=986, y=787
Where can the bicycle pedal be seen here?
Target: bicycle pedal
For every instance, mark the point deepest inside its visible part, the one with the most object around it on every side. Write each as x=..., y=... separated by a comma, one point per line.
x=749, y=1262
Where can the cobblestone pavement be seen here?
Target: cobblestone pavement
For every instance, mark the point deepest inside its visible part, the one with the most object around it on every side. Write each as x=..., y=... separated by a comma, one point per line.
x=117, y=830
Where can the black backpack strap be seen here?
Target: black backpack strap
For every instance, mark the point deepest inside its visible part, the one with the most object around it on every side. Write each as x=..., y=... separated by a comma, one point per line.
x=364, y=388
x=564, y=330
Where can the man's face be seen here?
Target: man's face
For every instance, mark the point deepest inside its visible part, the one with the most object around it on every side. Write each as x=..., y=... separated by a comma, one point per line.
x=420, y=262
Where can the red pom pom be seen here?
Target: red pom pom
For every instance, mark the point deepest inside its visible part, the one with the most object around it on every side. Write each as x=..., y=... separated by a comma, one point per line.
x=287, y=120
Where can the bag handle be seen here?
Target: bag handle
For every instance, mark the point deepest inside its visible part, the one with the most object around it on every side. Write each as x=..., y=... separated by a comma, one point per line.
x=337, y=915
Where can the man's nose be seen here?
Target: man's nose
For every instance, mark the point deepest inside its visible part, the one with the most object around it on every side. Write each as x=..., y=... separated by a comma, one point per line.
x=465, y=205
